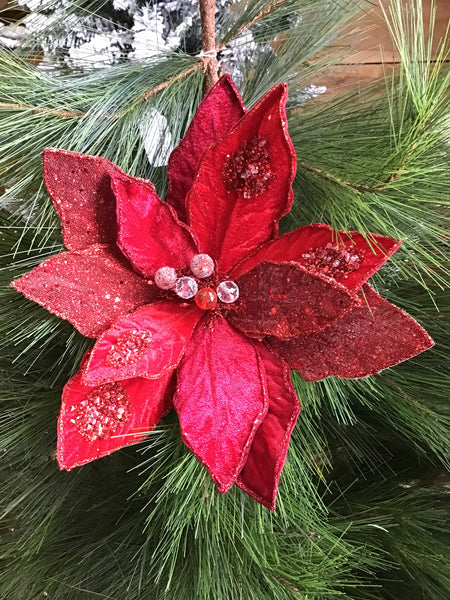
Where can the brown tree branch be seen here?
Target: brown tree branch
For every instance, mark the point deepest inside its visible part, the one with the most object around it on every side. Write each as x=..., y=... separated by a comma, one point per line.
x=209, y=54
x=333, y=178
x=161, y=86
x=356, y=186
x=42, y=110
x=262, y=13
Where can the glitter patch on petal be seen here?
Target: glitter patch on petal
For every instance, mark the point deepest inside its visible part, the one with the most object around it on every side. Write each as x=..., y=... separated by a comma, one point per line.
x=248, y=171
x=167, y=327
x=333, y=260
x=102, y=412
x=367, y=339
x=129, y=348
x=147, y=401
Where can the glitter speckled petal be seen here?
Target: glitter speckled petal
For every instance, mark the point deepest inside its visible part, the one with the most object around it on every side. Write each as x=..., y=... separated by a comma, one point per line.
x=371, y=337
x=91, y=288
x=284, y=300
x=80, y=188
x=146, y=402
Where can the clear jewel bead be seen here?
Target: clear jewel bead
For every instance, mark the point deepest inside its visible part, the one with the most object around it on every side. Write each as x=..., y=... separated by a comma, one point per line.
x=186, y=287
x=166, y=278
x=202, y=265
x=228, y=292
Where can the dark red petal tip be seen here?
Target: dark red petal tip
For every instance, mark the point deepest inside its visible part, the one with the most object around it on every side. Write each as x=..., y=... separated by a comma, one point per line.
x=284, y=300
x=97, y=420
x=243, y=185
x=367, y=339
x=150, y=234
x=221, y=399
x=261, y=473
x=217, y=113
x=80, y=188
x=91, y=288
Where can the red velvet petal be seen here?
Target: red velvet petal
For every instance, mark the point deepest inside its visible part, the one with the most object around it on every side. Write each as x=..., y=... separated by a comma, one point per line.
x=146, y=343
x=150, y=234
x=262, y=470
x=79, y=186
x=368, y=339
x=217, y=113
x=228, y=224
x=91, y=288
x=146, y=401
x=294, y=245
x=221, y=399
x=285, y=300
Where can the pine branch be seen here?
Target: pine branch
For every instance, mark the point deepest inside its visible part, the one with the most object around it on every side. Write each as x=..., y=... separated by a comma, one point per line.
x=207, y=63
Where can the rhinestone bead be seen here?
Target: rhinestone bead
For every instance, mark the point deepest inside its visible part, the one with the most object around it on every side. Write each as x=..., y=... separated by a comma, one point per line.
x=206, y=299
x=166, y=278
x=228, y=292
x=186, y=287
x=202, y=265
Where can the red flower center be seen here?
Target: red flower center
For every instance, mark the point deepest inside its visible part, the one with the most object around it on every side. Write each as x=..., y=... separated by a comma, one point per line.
x=200, y=283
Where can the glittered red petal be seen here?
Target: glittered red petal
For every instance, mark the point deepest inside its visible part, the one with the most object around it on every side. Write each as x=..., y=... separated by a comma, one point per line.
x=143, y=403
x=306, y=243
x=368, y=339
x=231, y=220
x=217, y=113
x=145, y=343
x=221, y=399
x=150, y=234
x=80, y=188
x=284, y=300
x=261, y=473
x=91, y=288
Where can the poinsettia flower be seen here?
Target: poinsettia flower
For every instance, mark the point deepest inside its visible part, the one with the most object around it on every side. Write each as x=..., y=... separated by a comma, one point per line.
x=198, y=303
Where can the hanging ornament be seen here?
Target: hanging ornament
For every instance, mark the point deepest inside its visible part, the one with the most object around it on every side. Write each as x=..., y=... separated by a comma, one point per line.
x=203, y=285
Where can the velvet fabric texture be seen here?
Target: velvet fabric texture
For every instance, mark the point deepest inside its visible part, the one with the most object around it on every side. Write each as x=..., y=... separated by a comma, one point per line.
x=303, y=301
